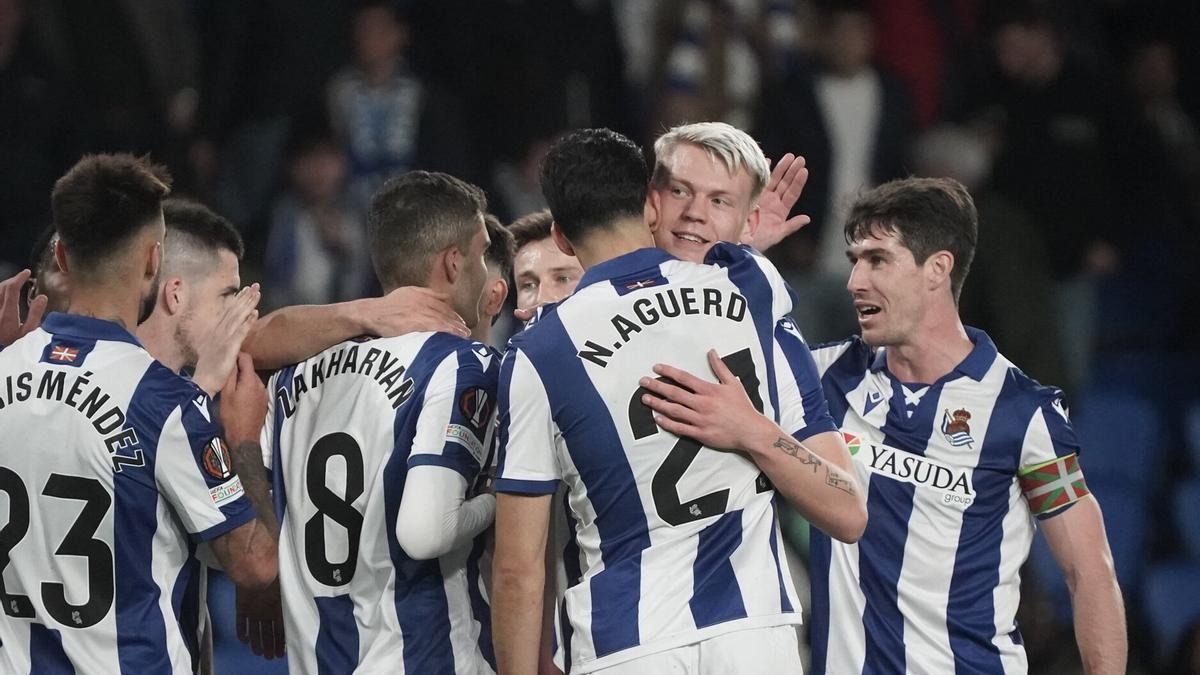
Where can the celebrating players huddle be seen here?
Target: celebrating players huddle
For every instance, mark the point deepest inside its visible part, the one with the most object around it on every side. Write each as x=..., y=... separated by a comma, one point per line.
x=604, y=497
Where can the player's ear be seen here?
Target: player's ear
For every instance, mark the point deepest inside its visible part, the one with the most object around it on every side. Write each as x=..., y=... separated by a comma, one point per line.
x=497, y=292
x=750, y=228
x=938, y=268
x=651, y=209
x=173, y=295
x=153, y=257
x=60, y=255
x=451, y=262
x=560, y=240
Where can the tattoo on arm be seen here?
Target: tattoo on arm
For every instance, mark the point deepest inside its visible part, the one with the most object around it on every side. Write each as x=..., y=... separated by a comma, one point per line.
x=247, y=459
x=834, y=480
x=809, y=458
x=797, y=450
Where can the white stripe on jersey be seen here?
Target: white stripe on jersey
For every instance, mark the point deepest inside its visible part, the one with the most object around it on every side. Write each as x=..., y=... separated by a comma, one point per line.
x=649, y=584
x=360, y=414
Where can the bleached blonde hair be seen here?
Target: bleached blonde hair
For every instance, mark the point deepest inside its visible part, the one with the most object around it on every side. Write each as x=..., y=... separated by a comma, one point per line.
x=734, y=148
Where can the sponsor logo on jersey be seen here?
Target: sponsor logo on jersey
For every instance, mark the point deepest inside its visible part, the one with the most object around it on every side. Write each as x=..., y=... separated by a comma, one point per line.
x=954, y=483
x=216, y=459
x=955, y=427
x=874, y=398
x=476, y=406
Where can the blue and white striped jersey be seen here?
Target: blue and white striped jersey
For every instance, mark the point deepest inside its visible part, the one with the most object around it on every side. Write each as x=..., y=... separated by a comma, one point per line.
x=933, y=584
x=672, y=542
x=113, y=469
x=343, y=429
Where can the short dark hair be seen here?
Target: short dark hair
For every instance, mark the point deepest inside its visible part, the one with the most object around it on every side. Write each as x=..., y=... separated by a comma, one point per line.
x=530, y=228
x=42, y=254
x=927, y=215
x=201, y=227
x=103, y=201
x=591, y=178
x=502, y=249
x=416, y=215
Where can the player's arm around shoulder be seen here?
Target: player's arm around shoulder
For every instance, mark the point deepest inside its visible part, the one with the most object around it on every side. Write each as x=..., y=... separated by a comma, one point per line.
x=807, y=472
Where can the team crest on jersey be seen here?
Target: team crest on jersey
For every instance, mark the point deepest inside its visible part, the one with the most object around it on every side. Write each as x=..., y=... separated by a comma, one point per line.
x=956, y=429
x=216, y=459
x=476, y=406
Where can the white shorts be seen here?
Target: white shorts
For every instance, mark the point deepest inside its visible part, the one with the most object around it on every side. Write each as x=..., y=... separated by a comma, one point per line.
x=758, y=650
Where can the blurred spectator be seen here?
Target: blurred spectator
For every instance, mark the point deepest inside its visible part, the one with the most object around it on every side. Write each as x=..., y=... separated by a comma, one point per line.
x=388, y=119
x=516, y=188
x=316, y=250
x=852, y=124
x=38, y=137
x=711, y=71
x=262, y=61
x=1009, y=292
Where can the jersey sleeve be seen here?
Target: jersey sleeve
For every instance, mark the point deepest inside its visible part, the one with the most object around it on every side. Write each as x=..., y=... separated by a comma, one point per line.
x=527, y=433
x=193, y=469
x=748, y=269
x=1049, y=474
x=457, y=414
x=803, y=410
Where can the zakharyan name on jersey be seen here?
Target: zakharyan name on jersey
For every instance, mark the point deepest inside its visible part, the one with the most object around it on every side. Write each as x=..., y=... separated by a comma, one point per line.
x=389, y=374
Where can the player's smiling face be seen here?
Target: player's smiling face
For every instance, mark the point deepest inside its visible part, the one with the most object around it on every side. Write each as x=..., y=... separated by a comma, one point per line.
x=700, y=204
x=888, y=289
x=544, y=274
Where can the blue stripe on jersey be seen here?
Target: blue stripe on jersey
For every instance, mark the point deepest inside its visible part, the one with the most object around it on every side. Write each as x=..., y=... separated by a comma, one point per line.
x=141, y=632
x=46, y=653
x=843, y=376
x=502, y=414
x=574, y=575
x=745, y=273
x=479, y=605
x=804, y=370
x=422, y=609
x=337, y=637
x=785, y=605
x=716, y=596
x=881, y=548
x=971, y=612
x=595, y=447
x=186, y=602
x=279, y=491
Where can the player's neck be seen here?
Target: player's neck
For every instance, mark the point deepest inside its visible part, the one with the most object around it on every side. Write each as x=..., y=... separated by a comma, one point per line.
x=110, y=302
x=936, y=350
x=157, y=334
x=623, y=237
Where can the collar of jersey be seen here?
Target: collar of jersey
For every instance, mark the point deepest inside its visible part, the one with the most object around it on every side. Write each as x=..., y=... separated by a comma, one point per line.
x=622, y=265
x=975, y=366
x=58, y=323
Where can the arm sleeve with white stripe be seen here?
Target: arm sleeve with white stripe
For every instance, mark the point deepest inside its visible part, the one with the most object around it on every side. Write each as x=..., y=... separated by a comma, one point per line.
x=448, y=451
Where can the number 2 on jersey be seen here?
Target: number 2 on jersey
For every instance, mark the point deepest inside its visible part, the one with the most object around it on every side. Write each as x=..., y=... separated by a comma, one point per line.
x=330, y=505
x=665, y=484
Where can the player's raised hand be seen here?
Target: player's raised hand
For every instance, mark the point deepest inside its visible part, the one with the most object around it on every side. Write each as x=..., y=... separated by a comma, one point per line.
x=11, y=326
x=776, y=202
x=260, y=620
x=217, y=353
x=411, y=309
x=714, y=413
x=243, y=403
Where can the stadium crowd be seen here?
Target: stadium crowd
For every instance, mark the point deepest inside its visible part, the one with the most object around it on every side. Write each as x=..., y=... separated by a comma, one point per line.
x=1072, y=125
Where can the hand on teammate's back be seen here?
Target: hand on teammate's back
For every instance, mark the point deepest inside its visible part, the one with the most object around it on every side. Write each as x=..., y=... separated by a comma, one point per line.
x=11, y=327
x=412, y=309
x=216, y=355
x=260, y=620
x=776, y=202
x=243, y=403
x=716, y=414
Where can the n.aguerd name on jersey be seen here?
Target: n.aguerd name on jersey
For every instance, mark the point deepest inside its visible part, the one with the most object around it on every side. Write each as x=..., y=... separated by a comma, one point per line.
x=953, y=483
